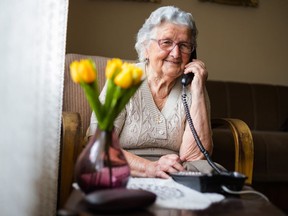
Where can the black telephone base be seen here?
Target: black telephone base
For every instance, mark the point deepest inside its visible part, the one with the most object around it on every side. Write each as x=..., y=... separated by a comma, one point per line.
x=210, y=182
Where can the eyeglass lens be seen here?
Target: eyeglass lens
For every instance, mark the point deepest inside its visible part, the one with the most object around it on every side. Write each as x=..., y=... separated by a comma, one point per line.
x=168, y=45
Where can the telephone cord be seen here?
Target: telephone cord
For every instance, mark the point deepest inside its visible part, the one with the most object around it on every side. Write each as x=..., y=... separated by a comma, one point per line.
x=227, y=190
x=196, y=137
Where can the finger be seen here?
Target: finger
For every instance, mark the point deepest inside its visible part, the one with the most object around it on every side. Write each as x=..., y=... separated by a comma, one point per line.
x=162, y=174
x=170, y=170
x=175, y=161
x=198, y=72
x=171, y=167
x=200, y=63
x=167, y=161
x=193, y=69
x=196, y=62
x=178, y=167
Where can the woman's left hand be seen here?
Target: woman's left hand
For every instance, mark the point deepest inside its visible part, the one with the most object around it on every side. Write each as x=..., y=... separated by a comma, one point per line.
x=198, y=68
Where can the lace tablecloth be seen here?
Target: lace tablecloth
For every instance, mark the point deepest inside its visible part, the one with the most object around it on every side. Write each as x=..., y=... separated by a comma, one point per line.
x=171, y=194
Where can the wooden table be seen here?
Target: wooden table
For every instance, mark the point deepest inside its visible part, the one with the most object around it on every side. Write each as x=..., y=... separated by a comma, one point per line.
x=244, y=205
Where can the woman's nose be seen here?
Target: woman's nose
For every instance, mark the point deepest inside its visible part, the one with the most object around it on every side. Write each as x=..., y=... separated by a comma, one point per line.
x=175, y=52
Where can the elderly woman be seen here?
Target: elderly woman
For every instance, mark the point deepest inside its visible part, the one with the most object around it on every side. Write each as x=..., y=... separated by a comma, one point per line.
x=153, y=130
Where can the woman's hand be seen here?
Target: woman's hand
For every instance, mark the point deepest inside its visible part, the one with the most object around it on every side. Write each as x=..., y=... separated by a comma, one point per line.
x=198, y=68
x=166, y=164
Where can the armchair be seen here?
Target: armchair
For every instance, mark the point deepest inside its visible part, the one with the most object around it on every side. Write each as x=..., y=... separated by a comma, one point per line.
x=76, y=118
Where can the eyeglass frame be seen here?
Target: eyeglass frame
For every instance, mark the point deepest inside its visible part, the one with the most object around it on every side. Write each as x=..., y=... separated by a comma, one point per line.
x=173, y=45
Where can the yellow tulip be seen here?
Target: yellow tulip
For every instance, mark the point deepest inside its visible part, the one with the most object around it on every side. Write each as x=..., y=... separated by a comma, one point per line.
x=113, y=67
x=87, y=71
x=83, y=71
x=125, y=78
x=74, y=72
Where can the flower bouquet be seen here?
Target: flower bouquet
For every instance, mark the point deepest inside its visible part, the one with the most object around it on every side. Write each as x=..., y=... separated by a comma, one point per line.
x=102, y=164
x=123, y=79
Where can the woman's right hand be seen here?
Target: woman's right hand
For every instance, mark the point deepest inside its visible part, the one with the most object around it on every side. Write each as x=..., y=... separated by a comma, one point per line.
x=161, y=168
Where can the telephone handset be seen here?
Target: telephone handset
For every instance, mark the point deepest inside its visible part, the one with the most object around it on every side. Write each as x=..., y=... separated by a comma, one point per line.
x=214, y=182
x=187, y=78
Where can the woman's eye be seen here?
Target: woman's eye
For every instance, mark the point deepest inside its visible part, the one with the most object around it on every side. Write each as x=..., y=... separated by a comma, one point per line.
x=184, y=46
x=167, y=42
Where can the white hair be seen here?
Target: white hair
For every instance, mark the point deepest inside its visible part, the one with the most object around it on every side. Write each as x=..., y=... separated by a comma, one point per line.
x=163, y=14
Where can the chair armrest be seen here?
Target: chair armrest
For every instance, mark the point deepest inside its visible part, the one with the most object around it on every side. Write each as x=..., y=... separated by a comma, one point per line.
x=70, y=147
x=244, y=147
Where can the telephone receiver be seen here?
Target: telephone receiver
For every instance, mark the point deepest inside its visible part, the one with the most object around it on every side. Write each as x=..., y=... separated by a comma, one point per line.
x=187, y=78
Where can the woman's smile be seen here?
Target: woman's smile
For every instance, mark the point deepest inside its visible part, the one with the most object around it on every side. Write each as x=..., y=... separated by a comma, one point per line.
x=175, y=62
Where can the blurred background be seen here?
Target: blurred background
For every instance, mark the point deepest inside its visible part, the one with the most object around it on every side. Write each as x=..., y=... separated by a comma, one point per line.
x=237, y=43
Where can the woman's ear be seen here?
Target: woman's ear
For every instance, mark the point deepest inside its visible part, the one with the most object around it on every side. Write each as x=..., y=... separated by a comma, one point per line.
x=146, y=55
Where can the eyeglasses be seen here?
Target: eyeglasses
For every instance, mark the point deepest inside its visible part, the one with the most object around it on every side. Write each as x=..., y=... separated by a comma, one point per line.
x=168, y=45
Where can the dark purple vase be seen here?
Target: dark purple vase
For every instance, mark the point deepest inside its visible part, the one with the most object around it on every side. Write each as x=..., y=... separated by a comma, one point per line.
x=102, y=164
